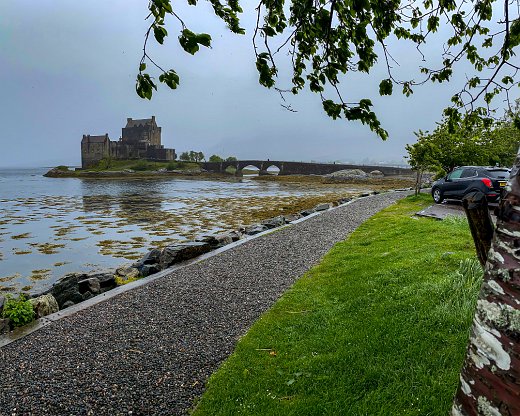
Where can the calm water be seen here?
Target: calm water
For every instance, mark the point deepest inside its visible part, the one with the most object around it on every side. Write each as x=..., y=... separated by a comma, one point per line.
x=49, y=226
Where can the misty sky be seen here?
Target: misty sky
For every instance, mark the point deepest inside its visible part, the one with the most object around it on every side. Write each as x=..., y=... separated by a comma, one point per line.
x=68, y=69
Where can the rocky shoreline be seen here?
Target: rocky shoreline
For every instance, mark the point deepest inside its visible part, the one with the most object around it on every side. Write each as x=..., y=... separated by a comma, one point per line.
x=74, y=288
x=126, y=173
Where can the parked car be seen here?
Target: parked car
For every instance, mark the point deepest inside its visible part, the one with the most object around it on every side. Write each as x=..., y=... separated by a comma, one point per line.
x=465, y=179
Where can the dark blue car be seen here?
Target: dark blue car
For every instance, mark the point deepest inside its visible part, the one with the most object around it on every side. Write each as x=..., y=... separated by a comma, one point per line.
x=465, y=179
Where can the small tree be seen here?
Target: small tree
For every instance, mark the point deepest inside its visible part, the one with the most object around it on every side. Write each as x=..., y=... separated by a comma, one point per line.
x=185, y=156
x=422, y=157
x=215, y=158
x=231, y=159
x=465, y=144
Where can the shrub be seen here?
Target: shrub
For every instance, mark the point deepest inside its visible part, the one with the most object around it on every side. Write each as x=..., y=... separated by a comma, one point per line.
x=62, y=167
x=140, y=165
x=19, y=311
x=172, y=166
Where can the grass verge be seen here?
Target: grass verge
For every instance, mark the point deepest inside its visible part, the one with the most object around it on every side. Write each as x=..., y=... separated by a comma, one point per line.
x=379, y=327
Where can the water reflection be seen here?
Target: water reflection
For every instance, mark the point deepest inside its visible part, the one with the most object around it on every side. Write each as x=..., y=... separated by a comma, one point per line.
x=49, y=227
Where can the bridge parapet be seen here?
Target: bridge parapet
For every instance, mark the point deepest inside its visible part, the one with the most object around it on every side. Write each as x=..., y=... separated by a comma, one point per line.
x=301, y=168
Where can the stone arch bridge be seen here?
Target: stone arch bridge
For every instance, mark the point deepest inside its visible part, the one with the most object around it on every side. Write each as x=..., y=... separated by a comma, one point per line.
x=298, y=168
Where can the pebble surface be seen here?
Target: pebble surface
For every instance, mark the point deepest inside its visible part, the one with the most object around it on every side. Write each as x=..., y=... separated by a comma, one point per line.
x=149, y=351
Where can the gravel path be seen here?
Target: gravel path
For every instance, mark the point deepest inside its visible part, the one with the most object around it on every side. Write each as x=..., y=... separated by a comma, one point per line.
x=150, y=350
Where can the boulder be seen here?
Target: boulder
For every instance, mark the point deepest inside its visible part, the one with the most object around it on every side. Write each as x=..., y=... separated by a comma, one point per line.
x=91, y=285
x=88, y=295
x=151, y=257
x=128, y=273
x=322, y=207
x=274, y=222
x=307, y=212
x=66, y=289
x=106, y=280
x=346, y=175
x=67, y=304
x=292, y=217
x=5, y=325
x=219, y=239
x=235, y=235
x=148, y=269
x=255, y=229
x=377, y=174
x=124, y=269
x=44, y=305
x=176, y=253
x=344, y=200
x=2, y=301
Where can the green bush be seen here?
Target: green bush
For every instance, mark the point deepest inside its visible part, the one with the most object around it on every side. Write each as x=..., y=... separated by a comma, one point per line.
x=18, y=310
x=62, y=167
x=140, y=165
x=172, y=166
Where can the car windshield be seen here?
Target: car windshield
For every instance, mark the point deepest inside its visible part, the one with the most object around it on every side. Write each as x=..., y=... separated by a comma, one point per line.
x=499, y=173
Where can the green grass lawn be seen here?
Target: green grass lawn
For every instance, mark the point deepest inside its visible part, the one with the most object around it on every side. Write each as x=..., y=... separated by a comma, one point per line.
x=142, y=165
x=379, y=327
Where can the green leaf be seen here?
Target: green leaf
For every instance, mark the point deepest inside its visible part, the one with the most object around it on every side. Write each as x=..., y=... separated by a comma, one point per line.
x=204, y=39
x=170, y=78
x=433, y=23
x=188, y=41
x=514, y=33
x=144, y=86
x=142, y=67
x=160, y=33
x=385, y=87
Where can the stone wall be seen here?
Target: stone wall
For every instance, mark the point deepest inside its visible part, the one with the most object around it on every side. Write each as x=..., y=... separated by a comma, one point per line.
x=93, y=150
x=301, y=168
x=135, y=133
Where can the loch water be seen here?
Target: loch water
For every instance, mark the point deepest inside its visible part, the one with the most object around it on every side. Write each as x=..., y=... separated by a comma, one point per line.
x=53, y=226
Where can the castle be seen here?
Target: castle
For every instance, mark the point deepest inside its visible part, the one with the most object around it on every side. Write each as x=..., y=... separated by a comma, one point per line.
x=140, y=139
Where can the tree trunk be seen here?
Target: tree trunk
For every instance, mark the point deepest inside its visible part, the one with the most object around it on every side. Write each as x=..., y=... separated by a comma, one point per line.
x=418, y=181
x=482, y=229
x=490, y=379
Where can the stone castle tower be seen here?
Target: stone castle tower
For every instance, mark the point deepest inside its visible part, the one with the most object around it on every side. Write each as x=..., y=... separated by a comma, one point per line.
x=140, y=139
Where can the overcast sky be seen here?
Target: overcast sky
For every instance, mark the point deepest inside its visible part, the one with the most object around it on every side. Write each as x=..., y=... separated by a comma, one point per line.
x=68, y=69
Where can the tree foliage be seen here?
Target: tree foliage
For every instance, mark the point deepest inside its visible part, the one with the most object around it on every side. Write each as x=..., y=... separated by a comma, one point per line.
x=327, y=40
x=466, y=143
x=192, y=156
x=215, y=158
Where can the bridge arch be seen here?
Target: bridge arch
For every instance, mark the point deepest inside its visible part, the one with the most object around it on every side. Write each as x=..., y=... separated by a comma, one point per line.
x=250, y=168
x=272, y=169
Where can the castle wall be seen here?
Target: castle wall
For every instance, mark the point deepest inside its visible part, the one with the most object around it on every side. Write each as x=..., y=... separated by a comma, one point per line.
x=153, y=153
x=143, y=133
x=140, y=140
x=93, y=152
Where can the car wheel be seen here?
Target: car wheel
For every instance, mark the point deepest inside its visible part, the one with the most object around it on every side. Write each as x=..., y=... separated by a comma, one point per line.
x=437, y=195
